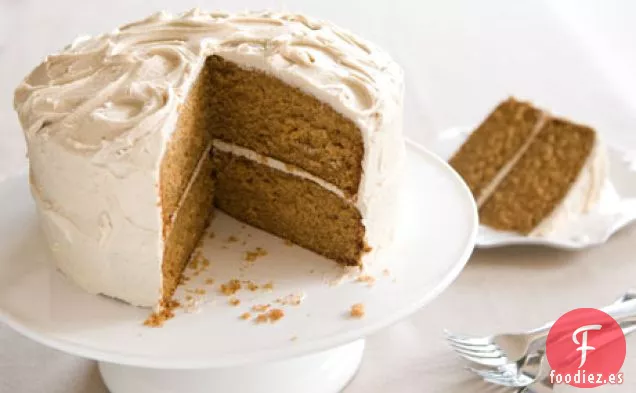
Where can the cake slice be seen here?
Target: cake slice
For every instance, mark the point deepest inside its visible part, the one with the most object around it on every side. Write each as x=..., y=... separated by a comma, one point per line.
x=529, y=171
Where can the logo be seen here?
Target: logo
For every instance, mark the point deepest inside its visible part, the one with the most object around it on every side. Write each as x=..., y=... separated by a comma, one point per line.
x=586, y=348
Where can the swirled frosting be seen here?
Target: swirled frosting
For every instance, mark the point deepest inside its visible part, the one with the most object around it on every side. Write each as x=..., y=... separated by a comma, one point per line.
x=98, y=114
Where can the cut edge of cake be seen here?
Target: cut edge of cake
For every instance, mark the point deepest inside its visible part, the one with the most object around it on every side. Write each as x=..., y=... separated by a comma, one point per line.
x=197, y=125
x=556, y=173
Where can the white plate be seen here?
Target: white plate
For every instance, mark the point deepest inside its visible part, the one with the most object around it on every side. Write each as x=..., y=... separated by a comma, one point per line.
x=438, y=225
x=616, y=209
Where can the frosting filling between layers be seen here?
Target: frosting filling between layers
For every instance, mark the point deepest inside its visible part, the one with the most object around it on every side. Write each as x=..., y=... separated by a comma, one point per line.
x=487, y=192
x=193, y=177
x=276, y=164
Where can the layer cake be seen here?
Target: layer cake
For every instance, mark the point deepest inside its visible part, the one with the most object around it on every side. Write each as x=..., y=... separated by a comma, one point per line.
x=287, y=123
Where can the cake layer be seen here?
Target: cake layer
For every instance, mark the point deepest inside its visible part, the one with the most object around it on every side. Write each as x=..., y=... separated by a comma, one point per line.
x=541, y=179
x=289, y=206
x=495, y=142
x=252, y=109
x=188, y=224
x=184, y=150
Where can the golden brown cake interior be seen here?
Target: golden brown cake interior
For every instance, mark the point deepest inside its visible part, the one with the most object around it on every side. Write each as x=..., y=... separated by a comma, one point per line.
x=290, y=207
x=494, y=143
x=541, y=178
x=189, y=224
x=185, y=148
x=253, y=110
x=185, y=211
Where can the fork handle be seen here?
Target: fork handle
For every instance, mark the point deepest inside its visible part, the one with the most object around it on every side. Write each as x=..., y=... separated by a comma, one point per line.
x=621, y=312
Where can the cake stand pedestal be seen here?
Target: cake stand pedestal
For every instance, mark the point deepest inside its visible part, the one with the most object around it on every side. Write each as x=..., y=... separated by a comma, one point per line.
x=323, y=372
x=316, y=347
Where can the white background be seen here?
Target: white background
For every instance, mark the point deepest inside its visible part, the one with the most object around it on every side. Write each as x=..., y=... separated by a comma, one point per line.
x=576, y=57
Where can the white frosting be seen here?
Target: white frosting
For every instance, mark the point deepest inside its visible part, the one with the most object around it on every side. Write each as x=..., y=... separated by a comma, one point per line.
x=582, y=196
x=97, y=117
x=276, y=164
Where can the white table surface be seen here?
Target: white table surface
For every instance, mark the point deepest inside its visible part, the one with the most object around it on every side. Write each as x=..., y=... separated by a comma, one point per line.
x=461, y=57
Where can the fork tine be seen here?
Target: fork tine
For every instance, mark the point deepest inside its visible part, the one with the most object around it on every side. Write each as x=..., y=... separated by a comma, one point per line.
x=490, y=373
x=502, y=377
x=466, y=340
x=489, y=362
x=498, y=378
x=475, y=349
x=495, y=353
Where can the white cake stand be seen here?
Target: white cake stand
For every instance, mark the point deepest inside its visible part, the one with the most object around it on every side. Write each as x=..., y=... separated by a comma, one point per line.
x=316, y=347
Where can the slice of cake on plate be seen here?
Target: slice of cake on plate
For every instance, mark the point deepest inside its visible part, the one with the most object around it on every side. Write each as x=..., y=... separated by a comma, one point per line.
x=531, y=172
x=287, y=123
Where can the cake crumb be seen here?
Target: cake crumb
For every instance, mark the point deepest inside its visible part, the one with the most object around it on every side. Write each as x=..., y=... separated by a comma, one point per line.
x=251, y=256
x=312, y=271
x=243, y=243
x=211, y=235
x=232, y=239
x=271, y=316
x=165, y=312
x=260, y=307
x=231, y=287
x=224, y=247
x=357, y=310
x=188, y=297
x=261, y=318
x=291, y=299
x=209, y=281
x=275, y=314
x=370, y=280
x=234, y=302
x=294, y=338
x=245, y=316
x=289, y=243
x=269, y=286
x=194, y=260
x=386, y=272
x=205, y=262
x=199, y=291
x=251, y=285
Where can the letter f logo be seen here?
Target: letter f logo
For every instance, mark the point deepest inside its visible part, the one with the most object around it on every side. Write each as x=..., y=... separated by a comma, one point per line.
x=584, y=348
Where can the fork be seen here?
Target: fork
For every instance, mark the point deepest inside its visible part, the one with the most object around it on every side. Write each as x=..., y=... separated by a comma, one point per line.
x=515, y=375
x=502, y=349
x=534, y=370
